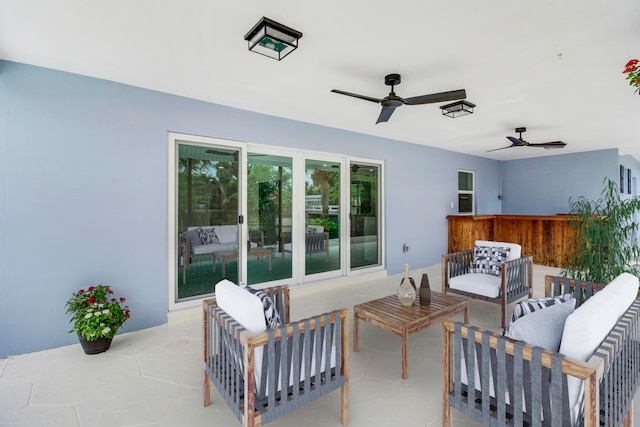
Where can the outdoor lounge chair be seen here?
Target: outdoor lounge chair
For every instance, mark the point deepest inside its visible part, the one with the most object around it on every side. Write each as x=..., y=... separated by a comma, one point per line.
x=249, y=364
x=493, y=271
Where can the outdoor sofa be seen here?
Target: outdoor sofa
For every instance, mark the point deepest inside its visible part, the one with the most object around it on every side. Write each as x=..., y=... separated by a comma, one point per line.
x=576, y=365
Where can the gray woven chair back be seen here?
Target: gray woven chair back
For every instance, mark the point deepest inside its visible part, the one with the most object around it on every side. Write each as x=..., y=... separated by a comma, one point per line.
x=295, y=369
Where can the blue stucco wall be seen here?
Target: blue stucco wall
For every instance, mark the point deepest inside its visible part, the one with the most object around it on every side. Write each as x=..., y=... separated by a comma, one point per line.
x=544, y=185
x=83, y=182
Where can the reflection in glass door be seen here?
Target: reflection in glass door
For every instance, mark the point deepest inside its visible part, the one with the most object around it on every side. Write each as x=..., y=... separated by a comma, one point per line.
x=269, y=214
x=365, y=236
x=207, y=218
x=322, y=216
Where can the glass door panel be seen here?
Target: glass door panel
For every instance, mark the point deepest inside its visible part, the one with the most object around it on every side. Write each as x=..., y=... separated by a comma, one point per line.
x=207, y=218
x=322, y=216
x=269, y=217
x=365, y=236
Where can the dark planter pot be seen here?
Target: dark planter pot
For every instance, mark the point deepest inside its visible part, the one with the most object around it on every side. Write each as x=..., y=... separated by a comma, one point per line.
x=94, y=347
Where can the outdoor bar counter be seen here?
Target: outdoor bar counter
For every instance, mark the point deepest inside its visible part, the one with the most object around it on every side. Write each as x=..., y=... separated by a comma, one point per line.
x=545, y=237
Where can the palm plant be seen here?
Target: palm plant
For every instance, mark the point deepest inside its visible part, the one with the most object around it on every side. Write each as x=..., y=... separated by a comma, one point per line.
x=605, y=244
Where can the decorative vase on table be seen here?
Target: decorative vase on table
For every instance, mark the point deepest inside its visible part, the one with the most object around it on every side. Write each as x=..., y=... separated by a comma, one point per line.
x=425, y=290
x=407, y=289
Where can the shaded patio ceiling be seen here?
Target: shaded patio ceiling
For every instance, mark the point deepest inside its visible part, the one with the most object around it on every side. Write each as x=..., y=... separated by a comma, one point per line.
x=554, y=67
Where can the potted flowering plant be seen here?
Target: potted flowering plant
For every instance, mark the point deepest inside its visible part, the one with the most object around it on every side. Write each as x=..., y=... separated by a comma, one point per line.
x=633, y=74
x=96, y=316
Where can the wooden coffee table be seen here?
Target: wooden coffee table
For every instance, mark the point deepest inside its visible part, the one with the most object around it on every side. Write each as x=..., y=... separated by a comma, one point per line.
x=387, y=313
x=226, y=256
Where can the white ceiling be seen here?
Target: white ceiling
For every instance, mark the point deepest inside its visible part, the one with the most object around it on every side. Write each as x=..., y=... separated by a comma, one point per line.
x=552, y=66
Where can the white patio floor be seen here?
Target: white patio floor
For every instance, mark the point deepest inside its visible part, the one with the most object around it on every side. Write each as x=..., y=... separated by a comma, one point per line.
x=154, y=377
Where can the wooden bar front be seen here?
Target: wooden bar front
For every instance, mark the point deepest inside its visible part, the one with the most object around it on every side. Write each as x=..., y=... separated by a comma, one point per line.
x=546, y=238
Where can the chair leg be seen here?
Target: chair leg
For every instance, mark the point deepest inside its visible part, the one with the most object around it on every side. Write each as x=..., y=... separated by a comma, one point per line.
x=344, y=407
x=206, y=390
x=628, y=419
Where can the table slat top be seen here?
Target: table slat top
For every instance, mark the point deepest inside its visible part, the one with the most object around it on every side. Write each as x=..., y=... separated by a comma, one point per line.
x=389, y=307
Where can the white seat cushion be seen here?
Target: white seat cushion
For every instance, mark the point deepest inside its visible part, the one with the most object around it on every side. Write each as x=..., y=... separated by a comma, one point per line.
x=487, y=285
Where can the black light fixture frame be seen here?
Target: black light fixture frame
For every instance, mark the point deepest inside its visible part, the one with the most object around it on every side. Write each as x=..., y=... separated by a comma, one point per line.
x=458, y=108
x=282, y=39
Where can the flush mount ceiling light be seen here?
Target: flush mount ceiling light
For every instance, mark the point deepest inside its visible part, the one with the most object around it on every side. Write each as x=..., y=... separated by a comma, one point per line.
x=272, y=39
x=458, y=108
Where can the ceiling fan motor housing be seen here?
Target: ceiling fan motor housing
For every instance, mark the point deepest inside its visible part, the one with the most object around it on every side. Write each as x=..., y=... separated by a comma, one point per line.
x=392, y=79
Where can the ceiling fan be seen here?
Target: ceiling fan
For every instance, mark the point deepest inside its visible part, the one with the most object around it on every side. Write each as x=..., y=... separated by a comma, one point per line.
x=519, y=142
x=392, y=101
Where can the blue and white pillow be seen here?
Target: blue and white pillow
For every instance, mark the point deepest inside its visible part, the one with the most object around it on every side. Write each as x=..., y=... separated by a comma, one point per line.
x=534, y=304
x=544, y=326
x=271, y=315
x=208, y=236
x=489, y=260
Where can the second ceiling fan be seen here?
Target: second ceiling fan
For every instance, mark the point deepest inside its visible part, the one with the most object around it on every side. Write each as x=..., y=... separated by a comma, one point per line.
x=519, y=142
x=392, y=101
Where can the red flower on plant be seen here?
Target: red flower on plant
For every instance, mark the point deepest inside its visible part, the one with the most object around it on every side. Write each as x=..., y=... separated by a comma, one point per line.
x=633, y=73
x=91, y=288
x=91, y=300
x=122, y=299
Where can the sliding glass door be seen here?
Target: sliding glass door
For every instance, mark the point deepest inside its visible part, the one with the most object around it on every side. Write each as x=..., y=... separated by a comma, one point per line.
x=321, y=216
x=207, y=218
x=269, y=217
x=266, y=215
x=365, y=248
